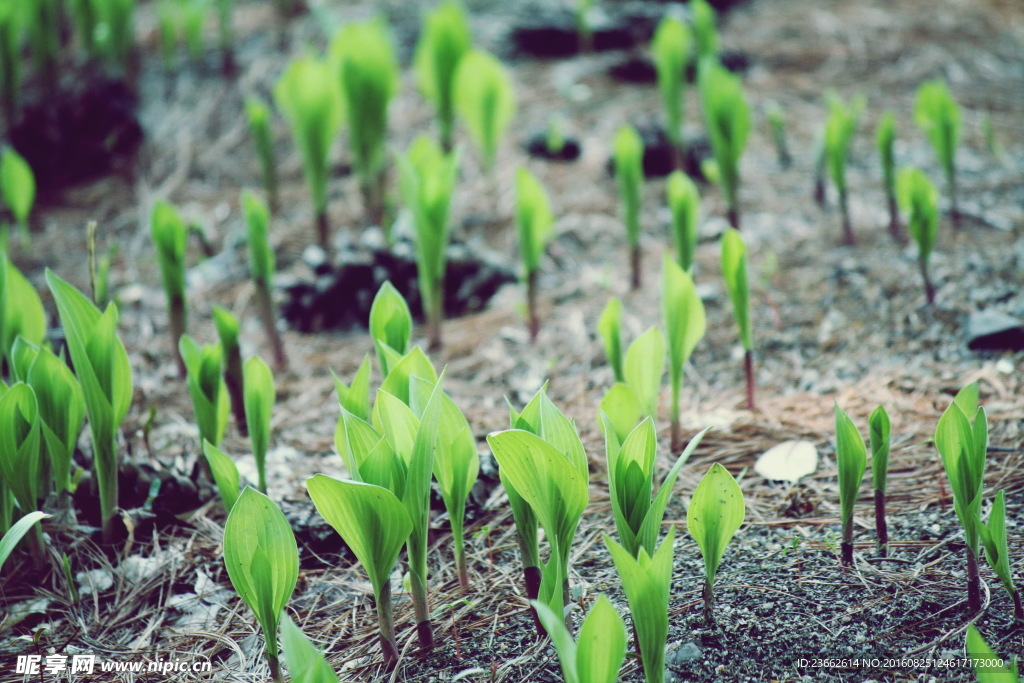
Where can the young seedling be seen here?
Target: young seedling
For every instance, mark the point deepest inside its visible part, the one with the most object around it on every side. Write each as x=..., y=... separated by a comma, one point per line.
x=961, y=438
x=533, y=216
x=734, y=270
x=646, y=579
x=629, y=171
x=258, y=114
x=355, y=397
x=364, y=59
x=390, y=325
x=262, y=560
x=305, y=661
x=705, y=31
x=20, y=461
x=227, y=332
x=920, y=201
x=684, y=205
x=374, y=523
x=993, y=538
x=644, y=368
x=609, y=328
x=777, y=122
x=10, y=60
x=638, y=516
x=727, y=119
x=988, y=666
x=259, y=395
x=225, y=474
x=671, y=50
x=18, y=186
x=885, y=135
x=839, y=131
x=262, y=267
x=102, y=367
x=427, y=182
x=13, y=535
x=485, y=101
x=597, y=655
x=685, y=322
x=308, y=97
x=584, y=31
x=851, y=458
x=938, y=116
x=445, y=40
x=170, y=239
x=207, y=388
x=21, y=310
x=878, y=424
x=716, y=511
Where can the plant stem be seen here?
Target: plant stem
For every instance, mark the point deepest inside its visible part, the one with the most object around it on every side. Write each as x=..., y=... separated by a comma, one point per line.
x=386, y=624
x=417, y=552
x=677, y=442
x=929, y=288
x=709, y=602
x=635, y=258
x=973, y=582
x=748, y=369
x=105, y=461
x=881, y=527
x=233, y=381
x=323, y=231
x=275, y=668
x=434, y=314
x=954, y=206
x=531, y=305
x=894, y=219
x=1018, y=607
x=532, y=578
x=847, y=545
x=848, y=238
x=269, y=316
x=734, y=215
x=177, y=328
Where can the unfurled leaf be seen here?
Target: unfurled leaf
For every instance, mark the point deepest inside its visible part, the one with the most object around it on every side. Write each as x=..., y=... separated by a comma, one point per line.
x=11, y=537
x=684, y=319
x=986, y=663
x=20, y=453
x=716, y=511
x=644, y=368
x=306, y=663
x=622, y=409
x=21, y=310
x=225, y=474
x=597, y=655
x=390, y=323
x=259, y=404
x=18, y=185
x=993, y=539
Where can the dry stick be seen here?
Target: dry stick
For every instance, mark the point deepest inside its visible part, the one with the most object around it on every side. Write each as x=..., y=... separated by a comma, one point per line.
x=881, y=527
x=748, y=368
x=269, y=315
x=531, y=305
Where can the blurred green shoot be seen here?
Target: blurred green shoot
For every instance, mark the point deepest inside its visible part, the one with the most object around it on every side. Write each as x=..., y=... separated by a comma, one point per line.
x=445, y=40
x=629, y=171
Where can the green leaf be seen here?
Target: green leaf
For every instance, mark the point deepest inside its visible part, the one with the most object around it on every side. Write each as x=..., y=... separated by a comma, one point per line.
x=308, y=96
x=262, y=559
x=370, y=519
x=671, y=50
x=878, y=424
x=20, y=445
x=727, y=120
x=21, y=310
x=851, y=458
x=259, y=394
x=684, y=320
x=938, y=116
x=534, y=218
x=919, y=199
x=400, y=374
x=963, y=449
x=355, y=398
x=9, y=541
x=993, y=537
x=354, y=440
x=622, y=409
x=206, y=387
x=646, y=580
x=734, y=269
x=170, y=239
x=840, y=128
x=644, y=368
x=985, y=661
x=445, y=40
x=609, y=328
x=18, y=185
x=684, y=205
x=967, y=398
x=61, y=412
x=628, y=153
x=647, y=536
x=390, y=323
x=485, y=101
x=885, y=135
x=257, y=221
x=227, y=329
x=716, y=511
x=598, y=655
x=225, y=474
x=704, y=30
x=565, y=646
x=305, y=661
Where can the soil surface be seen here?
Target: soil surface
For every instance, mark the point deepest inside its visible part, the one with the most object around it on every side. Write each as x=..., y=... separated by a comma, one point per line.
x=832, y=323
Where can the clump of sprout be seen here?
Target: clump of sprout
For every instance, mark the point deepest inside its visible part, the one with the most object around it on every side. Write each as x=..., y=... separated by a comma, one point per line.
x=938, y=115
x=885, y=135
x=920, y=201
x=444, y=42
x=629, y=171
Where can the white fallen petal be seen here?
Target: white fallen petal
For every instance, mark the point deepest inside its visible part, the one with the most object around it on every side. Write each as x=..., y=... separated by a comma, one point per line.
x=788, y=461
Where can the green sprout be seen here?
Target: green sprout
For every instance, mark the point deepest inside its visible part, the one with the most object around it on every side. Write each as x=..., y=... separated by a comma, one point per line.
x=258, y=114
x=643, y=369
x=727, y=119
x=987, y=665
x=485, y=101
x=629, y=171
x=18, y=187
x=170, y=239
x=938, y=116
x=685, y=323
x=390, y=324
x=427, y=182
x=308, y=97
x=638, y=510
x=353, y=397
x=534, y=218
x=10, y=59
x=225, y=474
x=262, y=267
x=258, y=382
x=21, y=309
x=647, y=579
x=597, y=655
x=671, y=49
x=920, y=201
x=879, y=425
x=20, y=455
x=851, y=459
x=364, y=57
x=443, y=43
x=584, y=31
x=734, y=270
x=227, y=332
x=102, y=367
x=374, y=523
x=705, y=31
x=993, y=538
x=684, y=205
x=554, y=136
x=207, y=388
x=609, y=327
x=12, y=534
x=306, y=663
x=716, y=511
x=777, y=121
x=840, y=128
x=262, y=560
x=885, y=135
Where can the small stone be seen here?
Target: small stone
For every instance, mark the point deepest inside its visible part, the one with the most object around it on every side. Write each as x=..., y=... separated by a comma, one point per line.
x=687, y=652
